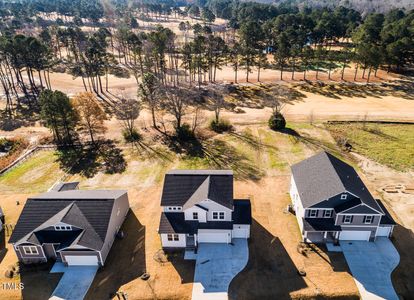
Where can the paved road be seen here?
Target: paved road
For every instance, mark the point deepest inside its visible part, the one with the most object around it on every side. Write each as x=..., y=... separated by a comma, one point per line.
x=216, y=266
x=74, y=283
x=371, y=264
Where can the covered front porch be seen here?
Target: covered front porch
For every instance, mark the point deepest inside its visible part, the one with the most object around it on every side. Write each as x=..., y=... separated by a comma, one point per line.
x=321, y=237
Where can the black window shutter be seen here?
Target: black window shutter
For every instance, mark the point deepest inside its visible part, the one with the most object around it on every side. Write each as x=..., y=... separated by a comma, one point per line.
x=352, y=218
x=343, y=219
x=365, y=217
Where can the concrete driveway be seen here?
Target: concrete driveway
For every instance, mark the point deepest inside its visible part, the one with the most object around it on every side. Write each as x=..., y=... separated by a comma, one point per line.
x=371, y=264
x=74, y=283
x=216, y=266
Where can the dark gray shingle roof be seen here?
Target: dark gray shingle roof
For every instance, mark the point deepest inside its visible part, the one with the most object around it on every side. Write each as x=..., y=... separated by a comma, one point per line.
x=320, y=224
x=188, y=188
x=87, y=210
x=171, y=222
x=242, y=213
x=323, y=176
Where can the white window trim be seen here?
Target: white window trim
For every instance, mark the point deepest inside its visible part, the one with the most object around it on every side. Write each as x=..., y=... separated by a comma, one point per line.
x=327, y=211
x=30, y=250
x=195, y=215
x=173, y=237
x=63, y=227
x=345, y=219
x=311, y=211
x=371, y=219
x=344, y=196
x=218, y=215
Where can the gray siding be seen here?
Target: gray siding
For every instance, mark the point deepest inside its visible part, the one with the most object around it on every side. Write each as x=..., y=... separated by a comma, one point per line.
x=79, y=253
x=115, y=223
x=358, y=220
x=32, y=258
x=49, y=250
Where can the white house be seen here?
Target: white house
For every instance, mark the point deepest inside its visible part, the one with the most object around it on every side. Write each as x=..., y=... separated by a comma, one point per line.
x=198, y=207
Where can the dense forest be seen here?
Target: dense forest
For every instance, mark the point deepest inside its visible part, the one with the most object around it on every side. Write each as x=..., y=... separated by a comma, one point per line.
x=90, y=39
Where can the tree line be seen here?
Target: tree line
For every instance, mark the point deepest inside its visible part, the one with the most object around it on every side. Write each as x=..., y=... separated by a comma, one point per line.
x=257, y=37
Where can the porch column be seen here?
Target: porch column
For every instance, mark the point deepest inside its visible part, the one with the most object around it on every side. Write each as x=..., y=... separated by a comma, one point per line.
x=325, y=235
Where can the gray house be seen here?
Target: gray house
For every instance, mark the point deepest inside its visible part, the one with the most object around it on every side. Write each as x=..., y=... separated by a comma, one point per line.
x=332, y=203
x=77, y=227
x=198, y=207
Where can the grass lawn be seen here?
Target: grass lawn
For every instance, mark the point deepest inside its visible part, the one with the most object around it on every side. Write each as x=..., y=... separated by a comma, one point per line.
x=36, y=174
x=389, y=144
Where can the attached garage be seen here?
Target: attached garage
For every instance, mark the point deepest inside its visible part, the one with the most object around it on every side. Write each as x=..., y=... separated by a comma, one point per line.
x=90, y=260
x=241, y=231
x=218, y=236
x=384, y=231
x=349, y=235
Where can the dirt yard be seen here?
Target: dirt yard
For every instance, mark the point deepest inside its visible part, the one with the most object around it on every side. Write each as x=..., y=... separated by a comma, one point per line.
x=261, y=160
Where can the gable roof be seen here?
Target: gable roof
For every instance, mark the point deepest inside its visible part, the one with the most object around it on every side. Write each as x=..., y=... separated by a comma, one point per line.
x=189, y=187
x=323, y=176
x=86, y=210
x=360, y=209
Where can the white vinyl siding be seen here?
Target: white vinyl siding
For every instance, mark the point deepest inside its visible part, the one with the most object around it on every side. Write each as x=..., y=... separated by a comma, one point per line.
x=219, y=215
x=180, y=243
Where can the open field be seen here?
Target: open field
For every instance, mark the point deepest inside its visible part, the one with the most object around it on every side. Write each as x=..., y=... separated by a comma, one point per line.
x=261, y=160
x=391, y=145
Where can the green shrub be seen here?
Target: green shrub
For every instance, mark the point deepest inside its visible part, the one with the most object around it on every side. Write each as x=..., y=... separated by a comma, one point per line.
x=221, y=126
x=277, y=121
x=131, y=137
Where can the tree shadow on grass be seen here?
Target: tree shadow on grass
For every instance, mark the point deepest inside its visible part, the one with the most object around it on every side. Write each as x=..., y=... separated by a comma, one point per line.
x=270, y=272
x=403, y=88
x=125, y=262
x=38, y=282
x=89, y=160
x=23, y=117
x=403, y=276
x=216, y=154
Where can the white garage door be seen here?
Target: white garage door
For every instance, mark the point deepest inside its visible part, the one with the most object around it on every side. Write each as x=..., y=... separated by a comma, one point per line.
x=383, y=231
x=241, y=232
x=354, y=235
x=82, y=260
x=216, y=237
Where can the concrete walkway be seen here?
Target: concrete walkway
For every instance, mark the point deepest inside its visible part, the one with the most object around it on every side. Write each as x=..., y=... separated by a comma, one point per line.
x=371, y=264
x=74, y=283
x=216, y=266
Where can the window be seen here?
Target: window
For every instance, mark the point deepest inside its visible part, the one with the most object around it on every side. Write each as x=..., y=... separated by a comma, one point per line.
x=313, y=213
x=347, y=219
x=327, y=213
x=344, y=196
x=169, y=208
x=195, y=215
x=218, y=215
x=368, y=219
x=179, y=208
x=174, y=208
x=173, y=237
x=63, y=227
x=30, y=250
